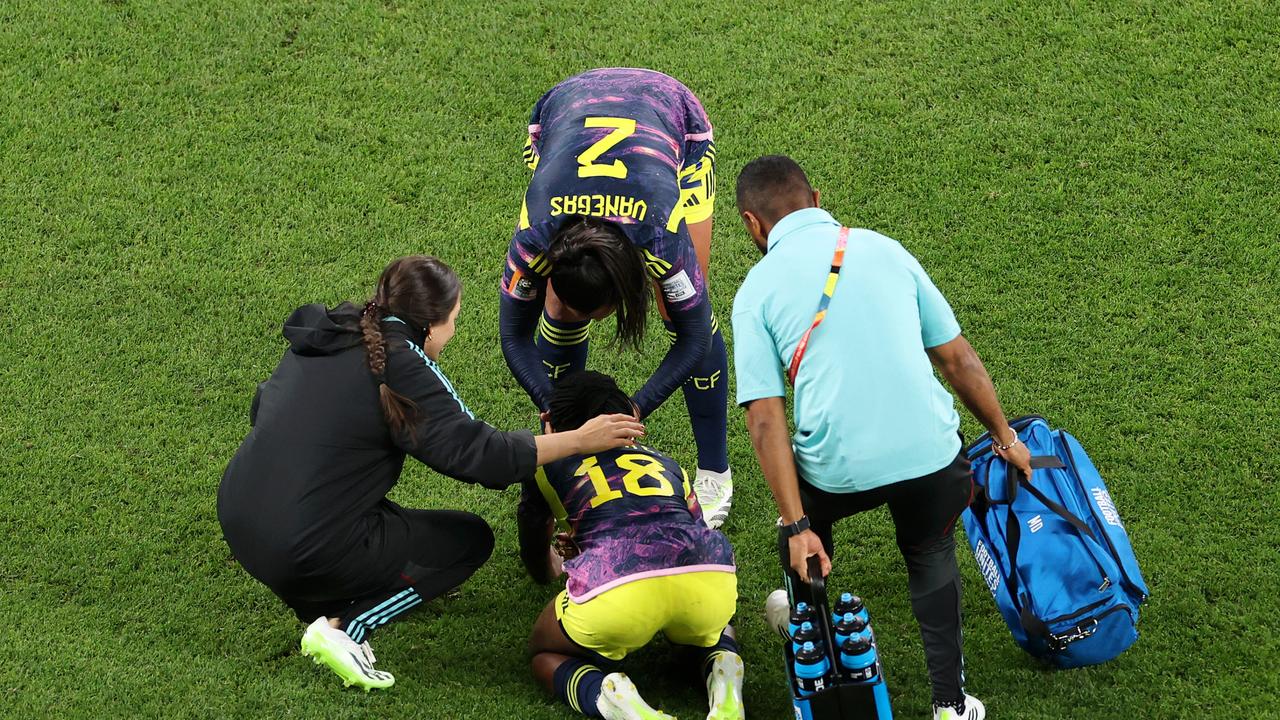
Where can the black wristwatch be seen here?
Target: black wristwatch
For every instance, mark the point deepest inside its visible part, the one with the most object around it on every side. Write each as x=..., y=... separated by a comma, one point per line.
x=796, y=527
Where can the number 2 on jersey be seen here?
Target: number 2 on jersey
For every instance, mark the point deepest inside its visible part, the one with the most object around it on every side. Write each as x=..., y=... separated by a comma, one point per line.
x=587, y=165
x=638, y=467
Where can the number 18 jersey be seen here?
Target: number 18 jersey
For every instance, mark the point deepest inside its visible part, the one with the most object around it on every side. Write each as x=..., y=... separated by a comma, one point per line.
x=633, y=515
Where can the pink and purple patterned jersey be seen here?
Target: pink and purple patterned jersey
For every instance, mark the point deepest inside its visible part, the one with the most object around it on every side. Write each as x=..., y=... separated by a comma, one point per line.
x=632, y=515
x=631, y=146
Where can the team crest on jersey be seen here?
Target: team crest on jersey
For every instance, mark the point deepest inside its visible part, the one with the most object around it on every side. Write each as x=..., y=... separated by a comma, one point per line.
x=524, y=289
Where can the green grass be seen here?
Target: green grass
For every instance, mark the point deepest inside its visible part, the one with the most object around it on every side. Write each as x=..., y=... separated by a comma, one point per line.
x=1093, y=185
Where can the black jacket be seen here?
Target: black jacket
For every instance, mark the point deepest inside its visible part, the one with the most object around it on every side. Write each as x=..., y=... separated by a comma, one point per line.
x=303, y=502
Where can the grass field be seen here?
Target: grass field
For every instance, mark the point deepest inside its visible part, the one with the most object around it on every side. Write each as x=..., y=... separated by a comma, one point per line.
x=1093, y=185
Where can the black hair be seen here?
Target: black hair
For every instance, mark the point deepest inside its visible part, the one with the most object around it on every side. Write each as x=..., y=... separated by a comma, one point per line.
x=582, y=395
x=593, y=266
x=772, y=187
x=420, y=290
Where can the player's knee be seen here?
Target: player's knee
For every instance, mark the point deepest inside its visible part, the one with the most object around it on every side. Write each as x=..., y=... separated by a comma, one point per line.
x=481, y=539
x=928, y=571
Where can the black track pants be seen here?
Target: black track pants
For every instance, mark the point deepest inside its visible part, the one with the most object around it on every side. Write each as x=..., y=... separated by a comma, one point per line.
x=925, y=511
x=445, y=548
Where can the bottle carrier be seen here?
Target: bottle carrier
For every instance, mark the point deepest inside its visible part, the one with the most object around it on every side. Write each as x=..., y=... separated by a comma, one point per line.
x=838, y=696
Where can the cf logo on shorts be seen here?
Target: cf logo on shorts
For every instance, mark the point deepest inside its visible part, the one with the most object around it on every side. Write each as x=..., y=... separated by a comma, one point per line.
x=553, y=371
x=706, y=383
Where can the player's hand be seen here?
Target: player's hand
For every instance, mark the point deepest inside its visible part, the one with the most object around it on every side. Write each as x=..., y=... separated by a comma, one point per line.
x=606, y=432
x=564, y=546
x=803, y=546
x=555, y=563
x=1018, y=456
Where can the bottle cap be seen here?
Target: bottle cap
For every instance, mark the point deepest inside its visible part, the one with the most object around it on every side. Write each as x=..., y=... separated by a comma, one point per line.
x=855, y=646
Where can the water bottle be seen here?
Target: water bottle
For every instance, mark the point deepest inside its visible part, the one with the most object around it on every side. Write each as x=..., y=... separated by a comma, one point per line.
x=806, y=633
x=802, y=614
x=858, y=659
x=850, y=603
x=813, y=670
x=851, y=626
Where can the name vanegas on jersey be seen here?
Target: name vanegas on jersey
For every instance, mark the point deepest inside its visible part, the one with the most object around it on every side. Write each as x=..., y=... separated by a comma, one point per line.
x=602, y=206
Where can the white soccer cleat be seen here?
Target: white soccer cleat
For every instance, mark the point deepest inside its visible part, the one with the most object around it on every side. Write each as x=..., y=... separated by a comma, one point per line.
x=353, y=663
x=777, y=612
x=724, y=688
x=971, y=709
x=715, y=495
x=619, y=700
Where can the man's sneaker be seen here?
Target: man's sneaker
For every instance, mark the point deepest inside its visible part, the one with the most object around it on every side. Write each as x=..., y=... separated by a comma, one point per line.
x=724, y=687
x=968, y=709
x=777, y=612
x=619, y=700
x=353, y=663
x=715, y=495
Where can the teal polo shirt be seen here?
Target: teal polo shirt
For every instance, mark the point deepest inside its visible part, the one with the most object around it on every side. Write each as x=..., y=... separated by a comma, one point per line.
x=869, y=410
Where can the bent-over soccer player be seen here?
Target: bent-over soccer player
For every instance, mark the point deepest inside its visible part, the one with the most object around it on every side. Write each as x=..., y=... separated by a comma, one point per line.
x=621, y=197
x=639, y=560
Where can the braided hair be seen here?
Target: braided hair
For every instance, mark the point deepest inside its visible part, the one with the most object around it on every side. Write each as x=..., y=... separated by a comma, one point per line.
x=595, y=266
x=420, y=290
x=581, y=396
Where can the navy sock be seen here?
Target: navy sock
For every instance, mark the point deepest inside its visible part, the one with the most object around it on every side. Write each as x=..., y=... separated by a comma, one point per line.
x=577, y=683
x=706, y=395
x=726, y=645
x=562, y=345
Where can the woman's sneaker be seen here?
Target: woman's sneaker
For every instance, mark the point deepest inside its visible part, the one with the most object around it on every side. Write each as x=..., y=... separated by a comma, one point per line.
x=777, y=612
x=619, y=700
x=970, y=708
x=353, y=663
x=724, y=687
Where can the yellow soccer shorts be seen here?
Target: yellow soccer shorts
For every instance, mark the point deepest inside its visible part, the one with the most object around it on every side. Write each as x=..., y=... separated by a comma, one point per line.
x=689, y=608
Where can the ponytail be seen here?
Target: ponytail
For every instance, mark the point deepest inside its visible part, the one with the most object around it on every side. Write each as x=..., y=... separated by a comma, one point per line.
x=399, y=411
x=421, y=291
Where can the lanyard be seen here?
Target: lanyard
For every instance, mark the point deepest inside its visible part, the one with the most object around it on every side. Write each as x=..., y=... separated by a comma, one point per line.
x=827, y=292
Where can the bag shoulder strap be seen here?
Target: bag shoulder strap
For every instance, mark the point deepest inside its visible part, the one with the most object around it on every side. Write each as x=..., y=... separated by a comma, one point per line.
x=827, y=291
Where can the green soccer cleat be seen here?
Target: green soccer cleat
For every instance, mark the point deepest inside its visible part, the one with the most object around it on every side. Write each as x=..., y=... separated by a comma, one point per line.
x=715, y=495
x=619, y=700
x=353, y=663
x=970, y=708
x=724, y=687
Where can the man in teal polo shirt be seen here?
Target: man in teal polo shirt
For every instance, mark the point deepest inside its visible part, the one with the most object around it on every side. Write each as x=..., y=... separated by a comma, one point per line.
x=873, y=424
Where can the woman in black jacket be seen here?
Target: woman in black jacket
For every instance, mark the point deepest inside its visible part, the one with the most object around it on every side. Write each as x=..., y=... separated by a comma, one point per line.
x=303, y=503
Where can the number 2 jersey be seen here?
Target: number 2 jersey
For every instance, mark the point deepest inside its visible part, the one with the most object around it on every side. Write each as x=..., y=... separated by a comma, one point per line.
x=633, y=147
x=632, y=515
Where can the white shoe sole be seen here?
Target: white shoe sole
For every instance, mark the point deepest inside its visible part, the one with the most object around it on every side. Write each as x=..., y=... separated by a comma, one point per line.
x=619, y=700
x=724, y=688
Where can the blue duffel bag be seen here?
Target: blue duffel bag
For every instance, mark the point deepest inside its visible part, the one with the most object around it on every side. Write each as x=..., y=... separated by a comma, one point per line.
x=1053, y=551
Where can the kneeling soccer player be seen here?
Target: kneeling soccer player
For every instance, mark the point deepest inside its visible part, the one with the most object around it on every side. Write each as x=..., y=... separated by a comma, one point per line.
x=639, y=560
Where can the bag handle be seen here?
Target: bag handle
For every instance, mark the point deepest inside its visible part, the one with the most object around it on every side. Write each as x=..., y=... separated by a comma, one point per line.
x=818, y=594
x=827, y=291
x=1014, y=479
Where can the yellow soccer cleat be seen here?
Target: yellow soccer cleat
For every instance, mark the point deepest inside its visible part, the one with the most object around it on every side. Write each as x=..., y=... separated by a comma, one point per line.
x=353, y=663
x=619, y=700
x=724, y=687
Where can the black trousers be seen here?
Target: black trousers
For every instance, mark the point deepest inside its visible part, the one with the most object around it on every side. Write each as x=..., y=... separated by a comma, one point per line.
x=445, y=547
x=925, y=511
